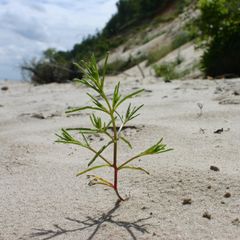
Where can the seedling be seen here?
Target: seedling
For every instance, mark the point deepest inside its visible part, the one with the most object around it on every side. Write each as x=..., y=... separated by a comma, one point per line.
x=200, y=105
x=111, y=129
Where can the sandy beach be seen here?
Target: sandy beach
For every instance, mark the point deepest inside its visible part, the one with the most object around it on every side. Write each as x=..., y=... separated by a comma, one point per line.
x=191, y=193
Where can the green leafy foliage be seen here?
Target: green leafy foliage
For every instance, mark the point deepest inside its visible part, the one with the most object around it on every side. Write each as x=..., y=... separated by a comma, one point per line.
x=168, y=71
x=132, y=12
x=181, y=39
x=220, y=27
x=154, y=56
x=94, y=81
x=53, y=66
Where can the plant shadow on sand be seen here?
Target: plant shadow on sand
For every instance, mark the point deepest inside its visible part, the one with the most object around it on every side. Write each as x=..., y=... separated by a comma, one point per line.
x=95, y=224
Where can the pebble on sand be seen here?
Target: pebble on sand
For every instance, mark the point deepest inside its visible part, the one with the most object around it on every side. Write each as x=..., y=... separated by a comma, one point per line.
x=214, y=168
x=207, y=215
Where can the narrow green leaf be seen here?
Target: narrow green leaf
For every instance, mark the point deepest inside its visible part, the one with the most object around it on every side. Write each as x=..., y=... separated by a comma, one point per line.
x=116, y=95
x=128, y=96
x=66, y=138
x=84, y=130
x=92, y=168
x=79, y=67
x=85, y=140
x=99, y=152
x=120, y=117
x=70, y=142
x=83, y=108
x=98, y=103
x=126, y=141
x=135, y=168
x=131, y=113
x=104, y=70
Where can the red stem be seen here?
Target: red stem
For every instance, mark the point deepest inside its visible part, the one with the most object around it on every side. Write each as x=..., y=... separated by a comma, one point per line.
x=115, y=186
x=115, y=166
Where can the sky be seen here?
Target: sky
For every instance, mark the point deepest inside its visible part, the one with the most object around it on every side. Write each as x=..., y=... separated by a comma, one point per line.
x=28, y=27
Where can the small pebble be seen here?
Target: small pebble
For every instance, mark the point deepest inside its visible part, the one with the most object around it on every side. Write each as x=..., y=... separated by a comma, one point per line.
x=207, y=215
x=38, y=116
x=218, y=131
x=187, y=201
x=236, y=93
x=147, y=90
x=227, y=195
x=209, y=187
x=4, y=88
x=214, y=168
x=236, y=222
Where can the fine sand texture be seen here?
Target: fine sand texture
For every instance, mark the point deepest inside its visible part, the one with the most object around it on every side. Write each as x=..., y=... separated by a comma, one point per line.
x=191, y=193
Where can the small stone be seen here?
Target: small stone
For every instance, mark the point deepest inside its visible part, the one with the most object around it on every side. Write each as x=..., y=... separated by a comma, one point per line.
x=214, y=168
x=187, y=201
x=209, y=187
x=147, y=90
x=236, y=93
x=207, y=215
x=227, y=195
x=90, y=138
x=151, y=213
x=222, y=202
x=4, y=88
x=143, y=208
x=218, y=131
x=154, y=234
x=38, y=116
x=236, y=222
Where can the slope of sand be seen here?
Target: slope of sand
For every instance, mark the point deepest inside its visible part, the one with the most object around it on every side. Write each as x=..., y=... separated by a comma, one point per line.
x=42, y=199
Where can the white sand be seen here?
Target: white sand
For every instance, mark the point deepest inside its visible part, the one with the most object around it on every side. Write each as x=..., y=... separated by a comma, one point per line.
x=40, y=197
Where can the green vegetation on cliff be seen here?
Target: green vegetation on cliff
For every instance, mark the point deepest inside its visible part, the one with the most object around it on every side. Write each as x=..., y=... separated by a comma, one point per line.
x=57, y=66
x=220, y=26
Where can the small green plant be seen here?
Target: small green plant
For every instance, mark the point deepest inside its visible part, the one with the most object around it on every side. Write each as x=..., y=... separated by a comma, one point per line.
x=158, y=54
x=112, y=129
x=167, y=71
x=181, y=39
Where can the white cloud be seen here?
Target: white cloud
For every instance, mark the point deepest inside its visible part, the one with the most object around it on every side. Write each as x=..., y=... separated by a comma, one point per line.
x=28, y=27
